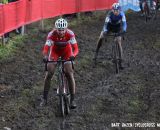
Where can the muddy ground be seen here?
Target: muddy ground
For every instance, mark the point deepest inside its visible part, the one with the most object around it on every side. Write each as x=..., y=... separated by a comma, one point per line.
x=103, y=97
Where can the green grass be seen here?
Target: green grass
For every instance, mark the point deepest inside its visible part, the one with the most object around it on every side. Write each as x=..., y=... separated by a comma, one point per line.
x=11, y=46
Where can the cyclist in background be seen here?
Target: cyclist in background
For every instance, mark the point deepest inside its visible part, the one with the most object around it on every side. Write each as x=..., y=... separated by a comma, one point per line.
x=157, y=2
x=150, y=5
x=115, y=22
x=60, y=42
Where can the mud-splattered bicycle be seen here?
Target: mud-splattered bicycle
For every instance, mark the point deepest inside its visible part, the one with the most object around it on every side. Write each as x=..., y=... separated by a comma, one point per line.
x=116, y=55
x=63, y=89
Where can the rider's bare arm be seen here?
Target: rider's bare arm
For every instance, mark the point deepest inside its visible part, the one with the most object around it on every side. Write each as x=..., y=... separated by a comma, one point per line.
x=74, y=46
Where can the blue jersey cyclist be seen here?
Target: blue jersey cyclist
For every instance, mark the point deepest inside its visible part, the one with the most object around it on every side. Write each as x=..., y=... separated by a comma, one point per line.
x=115, y=22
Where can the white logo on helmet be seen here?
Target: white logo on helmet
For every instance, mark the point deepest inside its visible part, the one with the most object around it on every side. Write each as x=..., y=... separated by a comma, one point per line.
x=61, y=24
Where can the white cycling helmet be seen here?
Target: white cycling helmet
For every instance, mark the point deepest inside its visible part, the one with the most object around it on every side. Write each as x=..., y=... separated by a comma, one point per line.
x=116, y=6
x=61, y=24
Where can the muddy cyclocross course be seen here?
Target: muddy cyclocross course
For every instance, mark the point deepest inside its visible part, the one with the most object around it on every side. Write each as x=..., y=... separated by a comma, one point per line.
x=102, y=96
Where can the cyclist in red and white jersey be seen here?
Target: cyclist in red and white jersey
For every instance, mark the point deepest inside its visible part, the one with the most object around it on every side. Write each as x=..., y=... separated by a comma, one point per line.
x=60, y=42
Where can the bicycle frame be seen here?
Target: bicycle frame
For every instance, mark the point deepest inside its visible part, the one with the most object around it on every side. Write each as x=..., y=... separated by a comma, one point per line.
x=63, y=88
x=116, y=53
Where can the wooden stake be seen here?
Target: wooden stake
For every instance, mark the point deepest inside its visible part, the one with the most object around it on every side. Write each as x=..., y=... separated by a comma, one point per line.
x=23, y=30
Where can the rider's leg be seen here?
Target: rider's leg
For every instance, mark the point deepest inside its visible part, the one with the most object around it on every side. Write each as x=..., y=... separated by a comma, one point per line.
x=47, y=81
x=141, y=7
x=71, y=81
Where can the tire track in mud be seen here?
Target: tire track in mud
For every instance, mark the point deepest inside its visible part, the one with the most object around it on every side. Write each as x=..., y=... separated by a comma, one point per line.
x=102, y=97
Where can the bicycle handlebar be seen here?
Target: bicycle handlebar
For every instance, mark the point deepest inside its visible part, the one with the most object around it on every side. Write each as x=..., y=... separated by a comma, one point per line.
x=116, y=34
x=59, y=60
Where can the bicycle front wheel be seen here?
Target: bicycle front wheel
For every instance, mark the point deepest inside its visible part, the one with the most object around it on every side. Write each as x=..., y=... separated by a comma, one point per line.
x=67, y=104
x=62, y=107
x=146, y=12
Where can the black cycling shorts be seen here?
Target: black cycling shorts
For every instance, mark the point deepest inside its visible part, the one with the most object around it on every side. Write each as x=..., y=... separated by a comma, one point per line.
x=114, y=28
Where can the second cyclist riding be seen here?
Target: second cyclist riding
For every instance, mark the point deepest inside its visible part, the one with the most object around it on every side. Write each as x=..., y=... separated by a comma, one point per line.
x=115, y=23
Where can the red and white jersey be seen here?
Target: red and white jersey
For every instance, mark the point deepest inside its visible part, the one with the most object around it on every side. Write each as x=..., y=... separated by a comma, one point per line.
x=56, y=44
x=53, y=38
